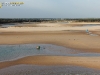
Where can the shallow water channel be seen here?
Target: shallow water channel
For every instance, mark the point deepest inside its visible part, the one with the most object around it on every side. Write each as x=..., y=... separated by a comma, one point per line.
x=11, y=52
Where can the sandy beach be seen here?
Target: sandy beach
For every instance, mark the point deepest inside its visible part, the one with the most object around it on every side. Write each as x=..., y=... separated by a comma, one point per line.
x=70, y=37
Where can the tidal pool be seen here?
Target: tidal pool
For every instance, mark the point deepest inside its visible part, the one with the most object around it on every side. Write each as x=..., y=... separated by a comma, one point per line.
x=9, y=52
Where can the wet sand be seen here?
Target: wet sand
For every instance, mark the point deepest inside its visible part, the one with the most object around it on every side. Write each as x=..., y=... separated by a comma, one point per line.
x=89, y=62
x=48, y=70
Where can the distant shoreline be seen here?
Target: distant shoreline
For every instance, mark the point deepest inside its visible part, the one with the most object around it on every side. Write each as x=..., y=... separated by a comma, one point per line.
x=29, y=27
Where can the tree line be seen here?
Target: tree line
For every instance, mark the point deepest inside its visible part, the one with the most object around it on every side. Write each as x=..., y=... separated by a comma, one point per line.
x=21, y=20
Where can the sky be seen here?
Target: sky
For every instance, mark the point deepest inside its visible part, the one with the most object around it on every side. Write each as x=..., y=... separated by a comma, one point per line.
x=52, y=9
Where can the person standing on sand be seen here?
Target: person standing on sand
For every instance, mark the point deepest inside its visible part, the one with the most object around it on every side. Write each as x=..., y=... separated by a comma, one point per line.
x=38, y=47
x=87, y=31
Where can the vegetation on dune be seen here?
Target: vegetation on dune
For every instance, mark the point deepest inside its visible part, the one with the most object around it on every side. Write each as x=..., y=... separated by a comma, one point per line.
x=21, y=20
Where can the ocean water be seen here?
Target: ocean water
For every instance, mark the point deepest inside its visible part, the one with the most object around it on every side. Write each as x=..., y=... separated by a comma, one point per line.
x=13, y=52
x=8, y=25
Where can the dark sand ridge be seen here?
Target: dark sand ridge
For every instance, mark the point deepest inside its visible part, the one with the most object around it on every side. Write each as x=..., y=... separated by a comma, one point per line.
x=73, y=39
x=90, y=62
